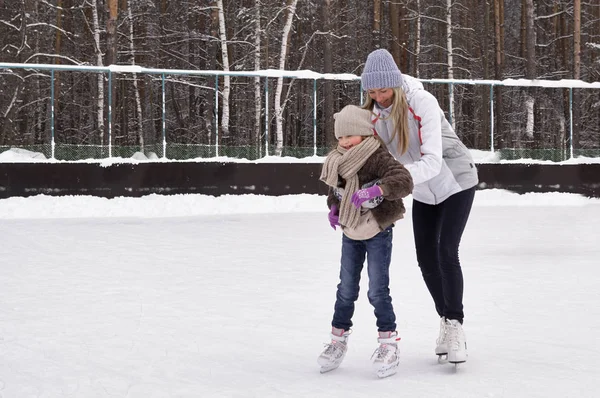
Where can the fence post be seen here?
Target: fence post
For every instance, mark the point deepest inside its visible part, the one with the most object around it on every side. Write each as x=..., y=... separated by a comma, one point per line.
x=164, y=118
x=451, y=105
x=109, y=113
x=571, y=122
x=315, y=117
x=52, y=142
x=492, y=117
x=360, y=93
x=266, y=116
x=217, y=115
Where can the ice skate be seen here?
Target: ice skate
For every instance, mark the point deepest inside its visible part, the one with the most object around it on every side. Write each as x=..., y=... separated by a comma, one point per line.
x=335, y=351
x=387, y=356
x=456, y=341
x=441, y=348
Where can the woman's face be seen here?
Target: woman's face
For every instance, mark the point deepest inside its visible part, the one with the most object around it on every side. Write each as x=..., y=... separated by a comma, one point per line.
x=350, y=141
x=383, y=96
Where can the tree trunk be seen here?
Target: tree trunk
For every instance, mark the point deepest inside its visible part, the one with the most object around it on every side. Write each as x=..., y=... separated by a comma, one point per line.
x=502, y=33
x=418, y=40
x=257, y=90
x=57, y=60
x=498, y=69
x=531, y=69
x=138, y=101
x=192, y=91
x=449, y=59
x=226, y=79
x=403, y=36
x=212, y=124
x=376, y=23
x=279, y=107
x=111, y=32
x=577, y=39
x=395, y=27
x=499, y=39
x=523, y=32
x=111, y=54
x=100, y=76
x=576, y=70
x=328, y=111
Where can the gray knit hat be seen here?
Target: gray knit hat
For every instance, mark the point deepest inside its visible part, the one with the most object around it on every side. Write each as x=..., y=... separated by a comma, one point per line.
x=353, y=120
x=381, y=71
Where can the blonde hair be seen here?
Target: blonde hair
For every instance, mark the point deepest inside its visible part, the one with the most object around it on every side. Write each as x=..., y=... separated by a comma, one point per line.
x=399, y=115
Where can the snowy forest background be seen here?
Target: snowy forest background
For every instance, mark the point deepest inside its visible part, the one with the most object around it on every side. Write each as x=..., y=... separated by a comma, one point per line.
x=430, y=39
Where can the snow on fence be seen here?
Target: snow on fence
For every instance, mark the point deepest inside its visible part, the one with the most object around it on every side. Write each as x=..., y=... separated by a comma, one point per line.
x=266, y=74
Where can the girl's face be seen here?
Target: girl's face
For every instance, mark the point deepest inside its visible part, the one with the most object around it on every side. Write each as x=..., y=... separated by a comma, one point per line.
x=349, y=141
x=383, y=96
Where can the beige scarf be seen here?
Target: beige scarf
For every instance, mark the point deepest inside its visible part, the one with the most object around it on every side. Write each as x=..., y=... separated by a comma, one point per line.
x=346, y=163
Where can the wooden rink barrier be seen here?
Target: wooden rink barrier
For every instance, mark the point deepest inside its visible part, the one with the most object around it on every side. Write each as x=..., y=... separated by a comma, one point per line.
x=215, y=178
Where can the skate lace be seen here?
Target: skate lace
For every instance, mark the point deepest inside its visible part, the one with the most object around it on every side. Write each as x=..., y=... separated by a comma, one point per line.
x=333, y=348
x=453, y=334
x=443, y=333
x=383, y=352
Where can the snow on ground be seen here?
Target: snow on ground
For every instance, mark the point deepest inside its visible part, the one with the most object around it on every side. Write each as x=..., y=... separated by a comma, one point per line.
x=196, y=296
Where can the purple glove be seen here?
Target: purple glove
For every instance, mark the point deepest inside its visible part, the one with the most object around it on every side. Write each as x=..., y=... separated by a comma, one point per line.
x=362, y=195
x=334, y=216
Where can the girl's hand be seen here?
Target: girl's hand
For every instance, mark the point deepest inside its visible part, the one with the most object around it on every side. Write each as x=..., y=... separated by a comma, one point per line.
x=362, y=195
x=334, y=216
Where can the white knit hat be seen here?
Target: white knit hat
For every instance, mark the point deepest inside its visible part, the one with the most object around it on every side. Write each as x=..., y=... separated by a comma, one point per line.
x=353, y=120
x=381, y=71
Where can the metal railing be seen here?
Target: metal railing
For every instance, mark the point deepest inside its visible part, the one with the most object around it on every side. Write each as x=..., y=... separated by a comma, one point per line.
x=307, y=75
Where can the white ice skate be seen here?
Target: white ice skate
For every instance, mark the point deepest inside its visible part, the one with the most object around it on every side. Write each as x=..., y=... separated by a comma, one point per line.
x=387, y=356
x=457, y=342
x=441, y=348
x=335, y=351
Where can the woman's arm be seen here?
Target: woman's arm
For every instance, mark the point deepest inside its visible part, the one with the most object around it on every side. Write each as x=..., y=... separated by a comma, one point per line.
x=427, y=113
x=395, y=181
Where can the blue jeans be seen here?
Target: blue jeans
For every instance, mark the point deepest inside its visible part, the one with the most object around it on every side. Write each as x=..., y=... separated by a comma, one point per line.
x=378, y=252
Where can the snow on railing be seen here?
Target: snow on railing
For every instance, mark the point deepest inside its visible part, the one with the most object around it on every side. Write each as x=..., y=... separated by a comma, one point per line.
x=275, y=73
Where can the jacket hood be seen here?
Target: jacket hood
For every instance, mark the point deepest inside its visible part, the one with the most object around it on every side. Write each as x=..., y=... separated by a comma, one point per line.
x=411, y=85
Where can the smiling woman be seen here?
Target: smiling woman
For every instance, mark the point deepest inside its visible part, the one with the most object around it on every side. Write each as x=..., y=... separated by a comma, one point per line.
x=414, y=129
x=383, y=96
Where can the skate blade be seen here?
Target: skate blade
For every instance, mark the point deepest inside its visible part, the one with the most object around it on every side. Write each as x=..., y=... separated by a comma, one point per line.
x=456, y=366
x=442, y=358
x=387, y=371
x=457, y=360
x=325, y=369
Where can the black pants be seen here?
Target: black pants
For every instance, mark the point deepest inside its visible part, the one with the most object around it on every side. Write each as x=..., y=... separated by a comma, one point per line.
x=438, y=230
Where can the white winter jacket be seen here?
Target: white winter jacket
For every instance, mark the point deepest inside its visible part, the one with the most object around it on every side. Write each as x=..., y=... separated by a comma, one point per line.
x=439, y=163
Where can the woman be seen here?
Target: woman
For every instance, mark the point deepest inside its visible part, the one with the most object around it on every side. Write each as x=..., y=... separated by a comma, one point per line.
x=416, y=132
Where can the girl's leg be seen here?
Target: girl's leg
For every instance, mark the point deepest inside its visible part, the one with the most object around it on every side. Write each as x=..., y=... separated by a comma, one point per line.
x=379, y=256
x=426, y=228
x=353, y=257
x=455, y=213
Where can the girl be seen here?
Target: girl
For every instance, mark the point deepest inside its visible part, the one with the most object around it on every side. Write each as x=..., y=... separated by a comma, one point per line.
x=366, y=186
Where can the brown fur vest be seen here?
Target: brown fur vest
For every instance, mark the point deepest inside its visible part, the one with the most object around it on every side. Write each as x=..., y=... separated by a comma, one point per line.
x=395, y=182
